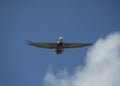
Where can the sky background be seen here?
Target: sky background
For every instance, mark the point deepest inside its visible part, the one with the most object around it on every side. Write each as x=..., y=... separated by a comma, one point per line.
x=45, y=21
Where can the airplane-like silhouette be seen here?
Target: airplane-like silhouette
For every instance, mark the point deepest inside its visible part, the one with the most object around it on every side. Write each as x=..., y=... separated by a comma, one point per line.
x=59, y=46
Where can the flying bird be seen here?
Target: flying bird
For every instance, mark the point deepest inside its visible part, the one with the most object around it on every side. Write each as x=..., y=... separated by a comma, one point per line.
x=59, y=46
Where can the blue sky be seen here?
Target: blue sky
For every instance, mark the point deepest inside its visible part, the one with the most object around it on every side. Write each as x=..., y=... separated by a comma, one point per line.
x=45, y=21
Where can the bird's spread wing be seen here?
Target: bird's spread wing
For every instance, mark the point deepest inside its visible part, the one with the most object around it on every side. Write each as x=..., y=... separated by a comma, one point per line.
x=44, y=45
x=75, y=45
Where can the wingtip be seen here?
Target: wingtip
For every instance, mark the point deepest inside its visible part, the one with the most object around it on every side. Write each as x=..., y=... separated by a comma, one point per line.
x=90, y=43
x=29, y=42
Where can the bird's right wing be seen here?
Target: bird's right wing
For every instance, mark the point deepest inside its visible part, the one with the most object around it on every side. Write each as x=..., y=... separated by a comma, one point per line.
x=43, y=45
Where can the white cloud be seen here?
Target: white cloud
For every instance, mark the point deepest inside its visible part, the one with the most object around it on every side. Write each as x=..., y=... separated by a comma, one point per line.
x=102, y=66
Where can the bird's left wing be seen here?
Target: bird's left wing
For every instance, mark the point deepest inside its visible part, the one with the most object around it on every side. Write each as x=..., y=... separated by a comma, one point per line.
x=43, y=45
x=75, y=45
